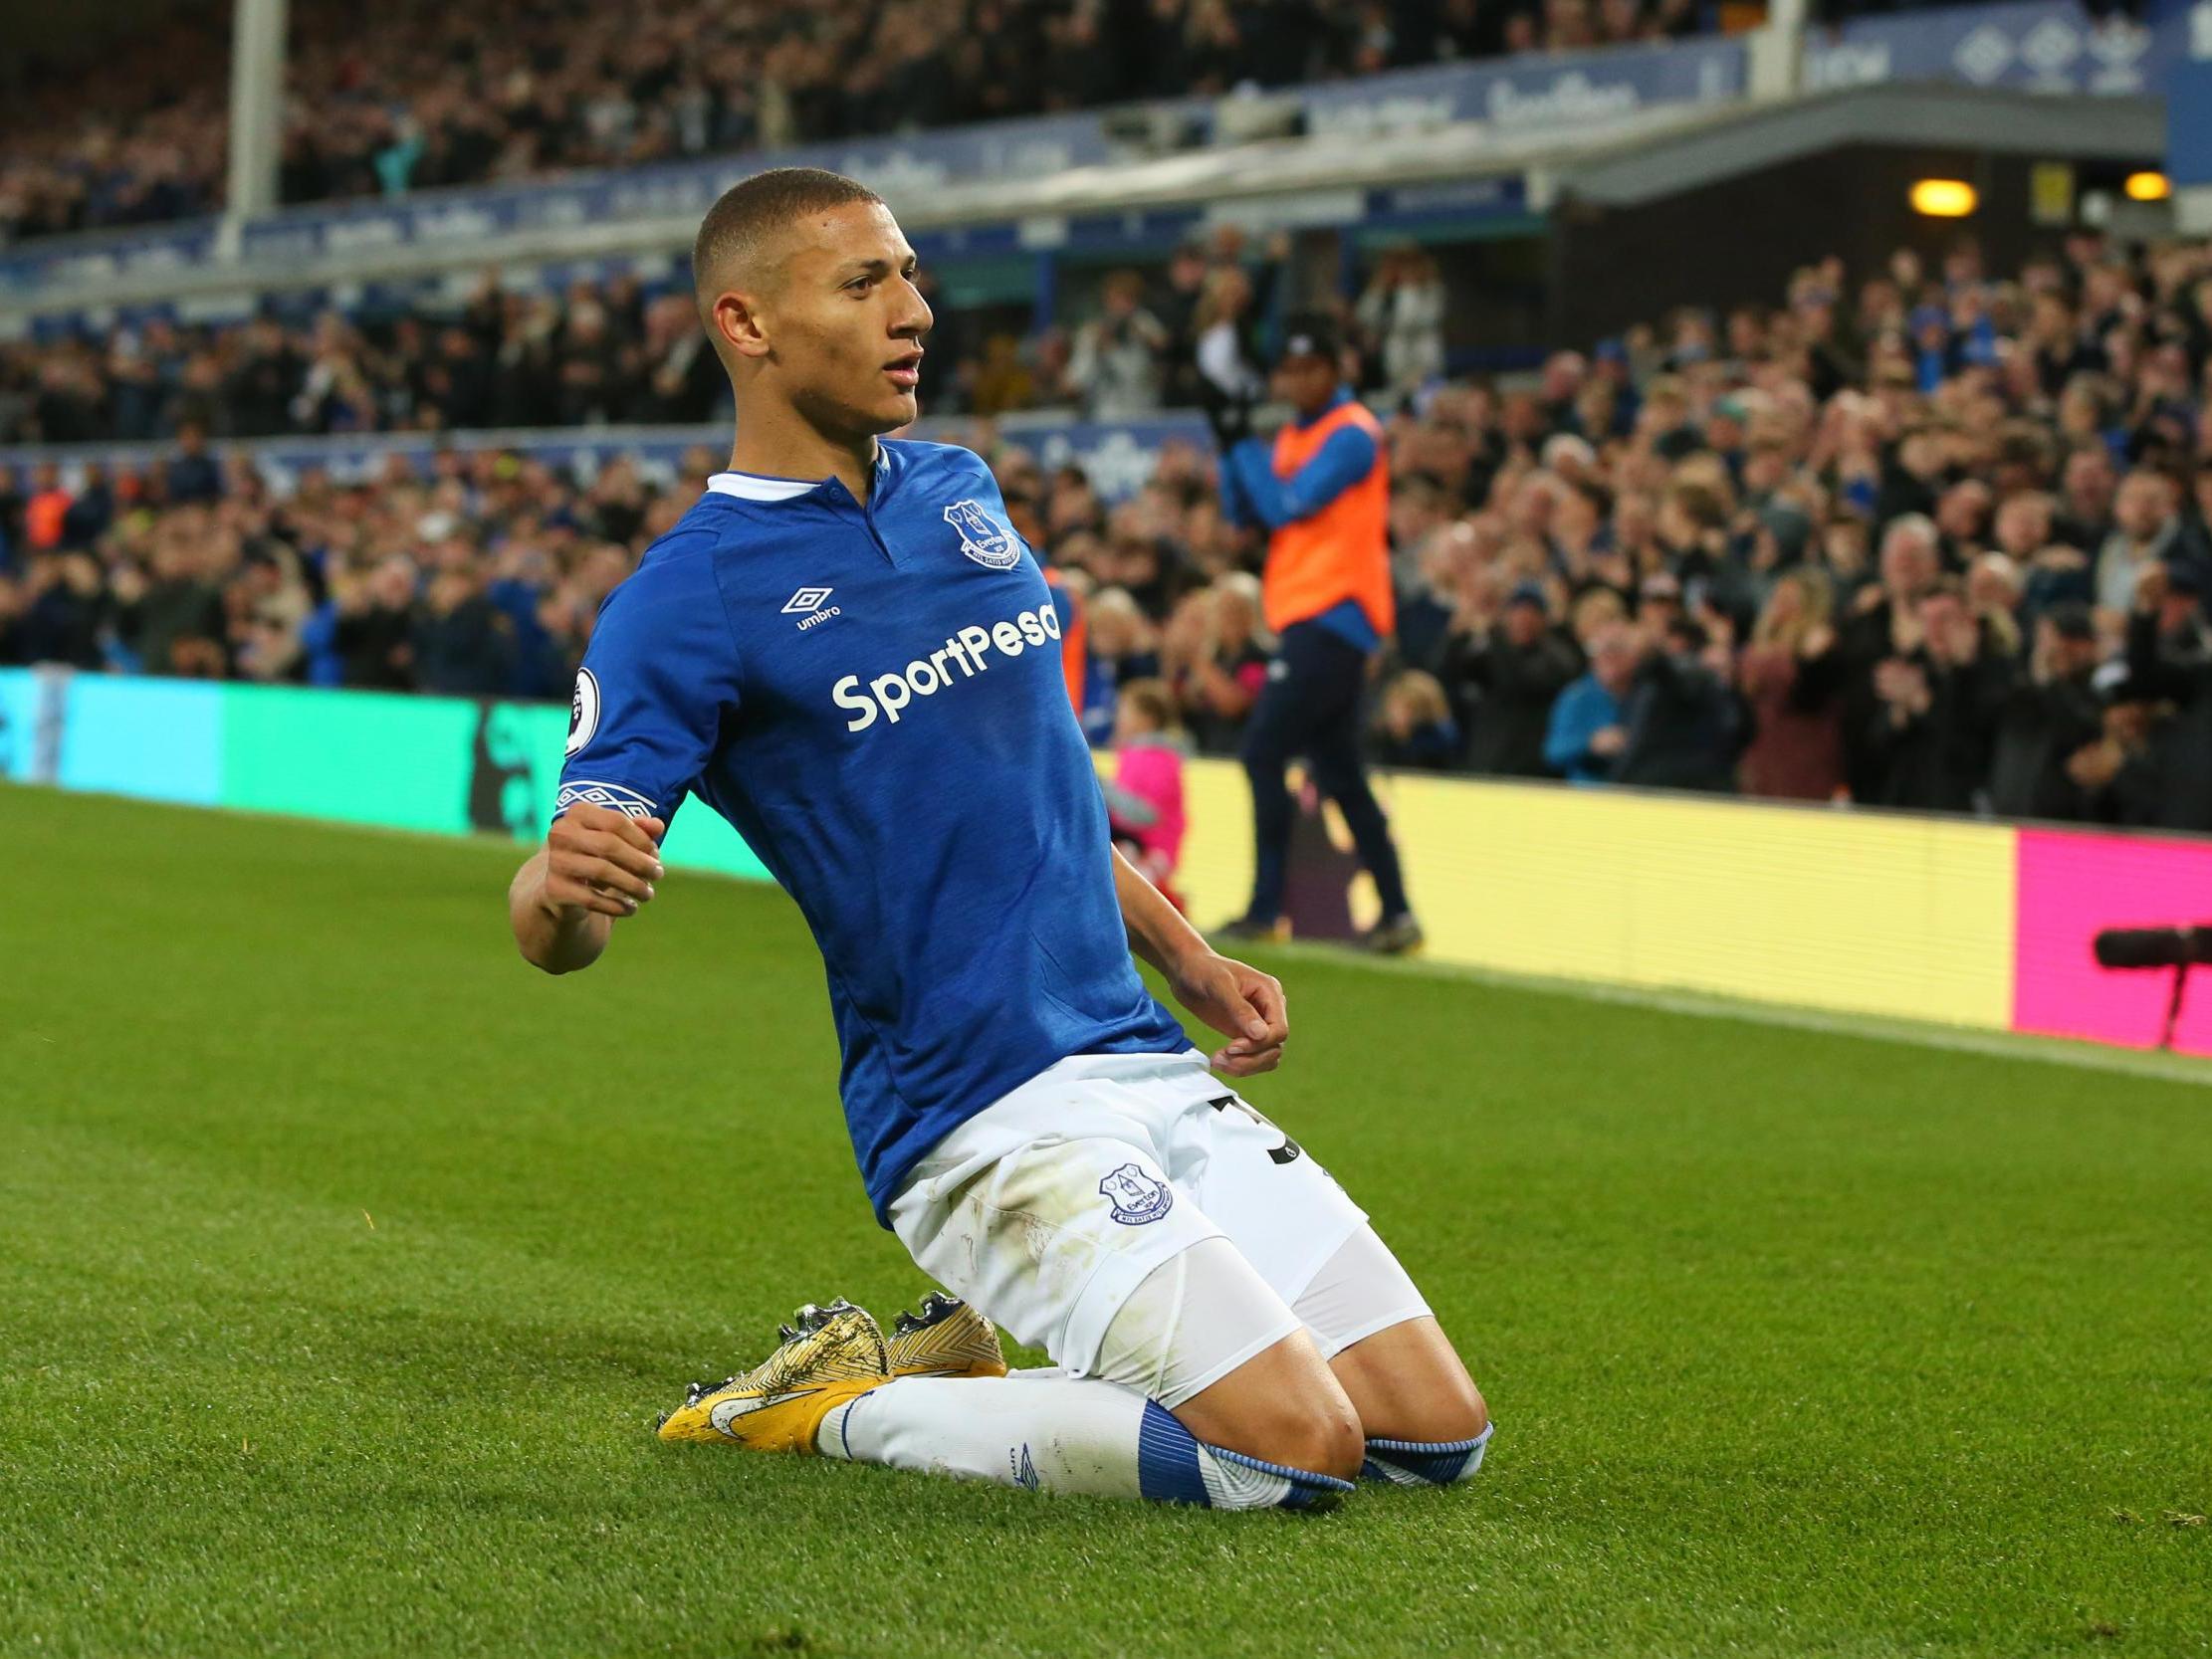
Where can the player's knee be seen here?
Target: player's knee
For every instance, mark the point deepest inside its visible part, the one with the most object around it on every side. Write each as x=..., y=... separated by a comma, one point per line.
x=1319, y=1435
x=1449, y=1407
x=1337, y=1445
x=1458, y=1412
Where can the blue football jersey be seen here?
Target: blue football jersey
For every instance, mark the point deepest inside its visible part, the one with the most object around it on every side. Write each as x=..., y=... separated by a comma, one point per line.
x=872, y=695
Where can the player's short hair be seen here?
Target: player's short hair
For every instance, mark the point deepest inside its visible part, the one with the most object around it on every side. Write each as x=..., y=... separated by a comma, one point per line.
x=740, y=225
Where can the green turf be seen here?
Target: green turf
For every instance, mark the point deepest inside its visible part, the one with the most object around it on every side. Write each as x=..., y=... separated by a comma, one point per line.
x=344, y=1260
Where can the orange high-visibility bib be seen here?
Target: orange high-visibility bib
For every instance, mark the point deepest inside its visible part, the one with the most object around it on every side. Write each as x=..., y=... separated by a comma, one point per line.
x=1341, y=552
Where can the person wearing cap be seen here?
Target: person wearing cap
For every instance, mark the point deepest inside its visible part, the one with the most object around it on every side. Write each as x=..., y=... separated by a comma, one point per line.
x=1507, y=677
x=1659, y=599
x=1321, y=489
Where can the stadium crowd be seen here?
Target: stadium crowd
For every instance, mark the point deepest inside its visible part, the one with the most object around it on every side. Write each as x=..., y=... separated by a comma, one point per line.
x=414, y=94
x=1932, y=540
x=620, y=351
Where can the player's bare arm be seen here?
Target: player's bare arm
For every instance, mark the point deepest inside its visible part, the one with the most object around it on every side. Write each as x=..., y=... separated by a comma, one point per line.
x=597, y=865
x=1235, y=998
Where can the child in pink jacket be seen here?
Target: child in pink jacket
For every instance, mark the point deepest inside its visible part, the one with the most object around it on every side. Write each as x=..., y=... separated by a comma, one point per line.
x=1144, y=802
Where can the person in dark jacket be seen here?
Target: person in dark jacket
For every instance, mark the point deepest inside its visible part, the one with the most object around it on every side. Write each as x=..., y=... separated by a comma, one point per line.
x=1507, y=677
x=463, y=644
x=1684, y=726
x=375, y=625
x=54, y=615
x=2046, y=717
x=1931, y=739
x=2167, y=783
x=192, y=474
x=1884, y=624
x=176, y=626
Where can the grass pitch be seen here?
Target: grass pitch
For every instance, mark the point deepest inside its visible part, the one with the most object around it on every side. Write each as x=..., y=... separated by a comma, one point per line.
x=343, y=1261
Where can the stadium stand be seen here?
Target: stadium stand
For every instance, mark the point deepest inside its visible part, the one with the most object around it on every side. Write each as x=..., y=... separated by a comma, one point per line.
x=1921, y=537
x=416, y=95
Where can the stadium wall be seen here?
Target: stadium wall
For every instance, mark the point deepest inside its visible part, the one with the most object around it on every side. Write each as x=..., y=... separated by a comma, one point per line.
x=1962, y=923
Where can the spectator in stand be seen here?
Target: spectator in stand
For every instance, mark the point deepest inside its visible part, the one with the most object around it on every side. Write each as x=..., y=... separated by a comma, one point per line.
x=46, y=513
x=2089, y=483
x=376, y=624
x=2163, y=780
x=191, y=475
x=1145, y=800
x=2195, y=549
x=54, y=614
x=1224, y=330
x=1413, y=727
x=460, y=643
x=2147, y=531
x=266, y=604
x=1214, y=657
x=91, y=511
x=2054, y=572
x=414, y=96
x=1177, y=311
x=172, y=622
x=1402, y=313
x=1120, y=356
x=1886, y=623
x=1588, y=729
x=2047, y=717
x=1939, y=701
x=1791, y=677
x=1509, y=672
x=1122, y=647
x=1693, y=469
x=684, y=387
x=1684, y=726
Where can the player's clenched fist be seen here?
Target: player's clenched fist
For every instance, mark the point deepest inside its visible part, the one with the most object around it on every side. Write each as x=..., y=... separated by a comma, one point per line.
x=601, y=860
x=1243, y=1005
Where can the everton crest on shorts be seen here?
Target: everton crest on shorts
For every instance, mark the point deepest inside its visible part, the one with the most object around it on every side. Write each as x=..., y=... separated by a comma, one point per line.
x=1136, y=1196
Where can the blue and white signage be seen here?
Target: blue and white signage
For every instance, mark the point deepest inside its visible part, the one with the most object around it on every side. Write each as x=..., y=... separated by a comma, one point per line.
x=2038, y=45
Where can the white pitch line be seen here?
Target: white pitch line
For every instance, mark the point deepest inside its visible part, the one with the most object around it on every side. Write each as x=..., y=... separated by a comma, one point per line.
x=1998, y=1045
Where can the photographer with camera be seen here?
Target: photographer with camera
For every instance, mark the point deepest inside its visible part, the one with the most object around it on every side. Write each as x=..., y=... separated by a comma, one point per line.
x=1119, y=364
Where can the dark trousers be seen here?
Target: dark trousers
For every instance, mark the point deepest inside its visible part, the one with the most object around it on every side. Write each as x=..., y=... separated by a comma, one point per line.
x=1311, y=708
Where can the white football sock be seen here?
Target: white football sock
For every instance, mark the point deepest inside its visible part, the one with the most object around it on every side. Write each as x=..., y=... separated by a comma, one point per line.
x=1052, y=1432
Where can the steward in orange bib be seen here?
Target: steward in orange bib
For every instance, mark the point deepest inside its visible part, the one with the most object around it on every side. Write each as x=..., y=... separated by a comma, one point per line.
x=1322, y=491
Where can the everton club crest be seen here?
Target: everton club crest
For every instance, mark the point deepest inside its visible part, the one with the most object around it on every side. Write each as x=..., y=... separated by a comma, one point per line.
x=1136, y=1196
x=982, y=537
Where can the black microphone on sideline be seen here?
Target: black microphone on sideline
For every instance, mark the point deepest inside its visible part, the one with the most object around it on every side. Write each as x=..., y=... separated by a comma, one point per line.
x=2179, y=948
x=2154, y=946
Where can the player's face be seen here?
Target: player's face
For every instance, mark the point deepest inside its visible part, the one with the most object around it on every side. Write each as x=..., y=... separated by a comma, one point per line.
x=849, y=321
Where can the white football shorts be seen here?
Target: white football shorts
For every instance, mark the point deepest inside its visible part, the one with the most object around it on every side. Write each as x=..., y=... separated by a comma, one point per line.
x=1131, y=1215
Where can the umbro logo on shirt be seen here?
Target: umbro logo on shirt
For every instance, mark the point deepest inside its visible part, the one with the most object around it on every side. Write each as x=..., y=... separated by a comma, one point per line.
x=810, y=605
